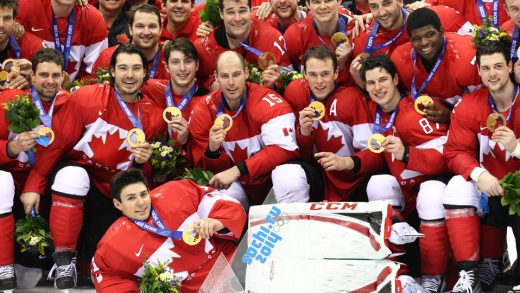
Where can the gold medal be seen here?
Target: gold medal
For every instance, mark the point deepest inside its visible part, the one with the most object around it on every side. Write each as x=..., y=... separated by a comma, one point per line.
x=10, y=65
x=135, y=137
x=170, y=113
x=338, y=38
x=265, y=60
x=421, y=102
x=363, y=55
x=375, y=143
x=319, y=110
x=4, y=75
x=190, y=239
x=48, y=132
x=495, y=120
x=225, y=121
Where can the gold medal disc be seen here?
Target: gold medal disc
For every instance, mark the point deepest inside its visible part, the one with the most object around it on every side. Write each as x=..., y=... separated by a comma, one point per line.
x=46, y=131
x=338, y=38
x=375, y=143
x=495, y=120
x=319, y=110
x=265, y=60
x=224, y=120
x=10, y=65
x=190, y=239
x=421, y=102
x=4, y=75
x=170, y=113
x=135, y=137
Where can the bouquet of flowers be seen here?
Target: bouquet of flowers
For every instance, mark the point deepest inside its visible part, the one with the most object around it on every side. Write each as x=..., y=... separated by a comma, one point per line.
x=487, y=32
x=511, y=185
x=166, y=159
x=286, y=78
x=32, y=233
x=254, y=73
x=197, y=175
x=159, y=279
x=102, y=76
x=211, y=13
x=21, y=114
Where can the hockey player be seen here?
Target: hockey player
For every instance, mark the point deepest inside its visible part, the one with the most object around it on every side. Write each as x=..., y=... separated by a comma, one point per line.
x=181, y=20
x=251, y=147
x=46, y=78
x=475, y=11
x=104, y=130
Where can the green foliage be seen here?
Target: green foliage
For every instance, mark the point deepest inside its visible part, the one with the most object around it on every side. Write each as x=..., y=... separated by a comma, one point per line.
x=511, y=185
x=487, y=32
x=254, y=73
x=21, y=114
x=102, y=76
x=286, y=78
x=159, y=279
x=32, y=233
x=211, y=13
x=197, y=175
x=166, y=159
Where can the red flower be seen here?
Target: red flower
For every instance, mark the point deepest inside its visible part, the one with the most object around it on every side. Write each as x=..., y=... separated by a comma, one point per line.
x=122, y=39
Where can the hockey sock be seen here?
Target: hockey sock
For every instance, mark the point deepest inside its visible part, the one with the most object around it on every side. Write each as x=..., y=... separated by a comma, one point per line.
x=66, y=221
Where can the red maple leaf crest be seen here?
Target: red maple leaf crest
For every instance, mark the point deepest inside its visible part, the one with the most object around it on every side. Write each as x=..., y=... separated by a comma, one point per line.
x=333, y=145
x=122, y=39
x=108, y=153
x=495, y=161
x=238, y=154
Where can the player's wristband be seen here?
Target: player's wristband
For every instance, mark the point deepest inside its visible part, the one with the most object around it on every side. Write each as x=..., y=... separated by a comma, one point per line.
x=9, y=152
x=212, y=154
x=357, y=164
x=242, y=167
x=406, y=155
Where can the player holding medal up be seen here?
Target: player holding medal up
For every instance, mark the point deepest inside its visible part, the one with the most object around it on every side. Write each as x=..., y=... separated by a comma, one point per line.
x=102, y=132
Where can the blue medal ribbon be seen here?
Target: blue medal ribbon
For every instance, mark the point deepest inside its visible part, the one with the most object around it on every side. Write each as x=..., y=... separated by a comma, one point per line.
x=252, y=50
x=155, y=63
x=483, y=14
x=370, y=47
x=494, y=107
x=15, y=48
x=161, y=229
x=184, y=101
x=377, y=121
x=514, y=43
x=65, y=51
x=342, y=27
x=243, y=99
x=436, y=65
x=135, y=122
x=45, y=118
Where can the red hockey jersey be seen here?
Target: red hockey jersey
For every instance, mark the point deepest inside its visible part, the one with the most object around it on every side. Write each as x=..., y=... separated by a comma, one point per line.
x=29, y=45
x=188, y=31
x=262, y=136
x=116, y=267
x=456, y=75
x=469, y=142
x=344, y=130
x=89, y=36
x=91, y=131
x=469, y=9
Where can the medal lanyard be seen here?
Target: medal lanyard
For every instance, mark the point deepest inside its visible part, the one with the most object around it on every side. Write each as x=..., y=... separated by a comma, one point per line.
x=155, y=63
x=370, y=47
x=483, y=14
x=514, y=43
x=15, y=48
x=65, y=51
x=45, y=118
x=161, y=229
x=251, y=49
x=342, y=27
x=494, y=107
x=377, y=121
x=242, y=103
x=437, y=64
x=135, y=122
x=185, y=100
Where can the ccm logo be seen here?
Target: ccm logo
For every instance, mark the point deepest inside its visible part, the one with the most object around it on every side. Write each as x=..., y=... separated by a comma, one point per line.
x=333, y=206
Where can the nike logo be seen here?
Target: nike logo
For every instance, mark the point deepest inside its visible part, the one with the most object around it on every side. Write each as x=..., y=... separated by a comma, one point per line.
x=34, y=29
x=139, y=252
x=482, y=128
x=42, y=256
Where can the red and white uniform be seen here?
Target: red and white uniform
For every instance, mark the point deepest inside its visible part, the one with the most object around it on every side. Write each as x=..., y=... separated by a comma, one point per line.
x=451, y=21
x=340, y=131
x=103, y=61
x=29, y=45
x=262, y=36
x=469, y=10
x=262, y=136
x=89, y=36
x=456, y=75
x=116, y=268
x=188, y=31
x=91, y=131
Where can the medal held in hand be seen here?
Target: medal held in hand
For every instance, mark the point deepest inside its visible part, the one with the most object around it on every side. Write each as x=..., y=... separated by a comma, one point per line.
x=224, y=120
x=319, y=110
x=3, y=80
x=135, y=137
x=494, y=121
x=421, y=102
x=190, y=239
x=47, y=132
x=10, y=65
x=171, y=112
x=265, y=60
x=338, y=38
x=375, y=143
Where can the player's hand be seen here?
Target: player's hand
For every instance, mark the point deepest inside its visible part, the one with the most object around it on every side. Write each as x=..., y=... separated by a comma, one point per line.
x=142, y=152
x=18, y=30
x=505, y=136
x=394, y=145
x=217, y=134
x=416, y=5
x=437, y=113
x=306, y=121
x=332, y=162
x=17, y=81
x=224, y=179
x=24, y=142
x=207, y=227
x=264, y=10
x=179, y=125
x=214, y=86
x=355, y=71
x=270, y=75
x=361, y=24
x=489, y=184
x=30, y=200
x=25, y=68
x=343, y=52
x=204, y=29
x=83, y=3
